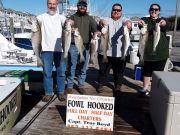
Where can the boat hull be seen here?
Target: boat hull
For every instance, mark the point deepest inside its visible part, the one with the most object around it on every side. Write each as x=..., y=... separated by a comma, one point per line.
x=10, y=107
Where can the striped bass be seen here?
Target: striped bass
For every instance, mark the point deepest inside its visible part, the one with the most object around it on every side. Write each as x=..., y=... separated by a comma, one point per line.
x=94, y=48
x=156, y=36
x=36, y=41
x=66, y=38
x=126, y=41
x=79, y=43
x=142, y=41
x=105, y=42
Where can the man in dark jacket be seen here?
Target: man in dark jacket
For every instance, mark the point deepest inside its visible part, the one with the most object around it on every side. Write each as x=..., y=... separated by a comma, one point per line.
x=86, y=25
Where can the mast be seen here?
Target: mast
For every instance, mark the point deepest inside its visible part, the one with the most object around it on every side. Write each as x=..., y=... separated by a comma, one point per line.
x=63, y=6
x=175, y=23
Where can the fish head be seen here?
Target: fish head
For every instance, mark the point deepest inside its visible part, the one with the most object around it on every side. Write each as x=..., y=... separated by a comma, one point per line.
x=104, y=30
x=68, y=26
x=35, y=26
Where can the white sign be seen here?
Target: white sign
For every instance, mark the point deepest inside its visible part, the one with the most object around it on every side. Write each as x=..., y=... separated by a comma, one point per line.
x=92, y=112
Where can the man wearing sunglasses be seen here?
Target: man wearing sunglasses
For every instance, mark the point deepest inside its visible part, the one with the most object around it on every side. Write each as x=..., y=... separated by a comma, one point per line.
x=86, y=25
x=116, y=59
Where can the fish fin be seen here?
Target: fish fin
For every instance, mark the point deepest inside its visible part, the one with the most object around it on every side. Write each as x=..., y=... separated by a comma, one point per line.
x=91, y=61
x=39, y=62
x=82, y=58
x=105, y=60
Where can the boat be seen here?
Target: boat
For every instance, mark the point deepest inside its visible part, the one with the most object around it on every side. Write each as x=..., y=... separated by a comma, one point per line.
x=23, y=40
x=10, y=102
x=22, y=35
x=11, y=54
x=16, y=27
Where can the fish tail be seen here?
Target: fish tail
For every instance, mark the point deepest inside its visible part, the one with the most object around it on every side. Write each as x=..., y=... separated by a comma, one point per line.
x=82, y=58
x=65, y=55
x=105, y=59
x=39, y=62
x=91, y=61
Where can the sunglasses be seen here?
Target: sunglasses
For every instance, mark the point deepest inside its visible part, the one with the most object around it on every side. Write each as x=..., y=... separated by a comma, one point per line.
x=82, y=6
x=117, y=10
x=154, y=9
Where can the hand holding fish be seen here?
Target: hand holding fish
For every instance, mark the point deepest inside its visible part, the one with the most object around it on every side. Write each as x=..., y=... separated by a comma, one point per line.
x=128, y=23
x=98, y=33
x=162, y=22
x=141, y=23
x=70, y=21
x=103, y=23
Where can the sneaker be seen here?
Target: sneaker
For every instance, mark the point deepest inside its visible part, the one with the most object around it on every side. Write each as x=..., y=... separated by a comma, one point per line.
x=144, y=92
x=69, y=90
x=147, y=93
x=82, y=91
x=61, y=97
x=46, y=98
x=100, y=88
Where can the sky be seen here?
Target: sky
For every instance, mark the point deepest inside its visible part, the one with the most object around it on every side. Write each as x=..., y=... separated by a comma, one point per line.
x=99, y=7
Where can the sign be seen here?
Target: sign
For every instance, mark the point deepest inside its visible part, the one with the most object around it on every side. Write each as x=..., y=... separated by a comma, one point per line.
x=92, y=112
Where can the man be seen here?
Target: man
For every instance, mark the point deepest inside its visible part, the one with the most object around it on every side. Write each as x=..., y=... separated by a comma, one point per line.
x=115, y=57
x=86, y=25
x=51, y=24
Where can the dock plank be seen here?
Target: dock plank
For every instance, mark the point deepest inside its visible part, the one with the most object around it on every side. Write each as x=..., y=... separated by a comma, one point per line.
x=131, y=111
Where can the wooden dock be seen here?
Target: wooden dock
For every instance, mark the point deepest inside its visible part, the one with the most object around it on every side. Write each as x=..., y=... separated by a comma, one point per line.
x=131, y=115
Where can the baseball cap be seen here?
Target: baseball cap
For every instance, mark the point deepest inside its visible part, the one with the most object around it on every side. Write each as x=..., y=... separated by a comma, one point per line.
x=82, y=3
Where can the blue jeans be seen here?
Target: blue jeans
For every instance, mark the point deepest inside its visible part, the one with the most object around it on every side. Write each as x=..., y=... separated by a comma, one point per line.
x=51, y=59
x=73, y=60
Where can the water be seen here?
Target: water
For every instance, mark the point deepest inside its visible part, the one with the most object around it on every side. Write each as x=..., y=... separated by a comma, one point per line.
x=29, y=100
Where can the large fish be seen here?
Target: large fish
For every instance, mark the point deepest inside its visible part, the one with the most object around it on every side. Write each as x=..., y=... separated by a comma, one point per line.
x=126, y=41
x=105, y=42
x=142, y=41
x=66, y=38
x=36, y=41
x=79, y=43
x=156, y=36
x=94, y=48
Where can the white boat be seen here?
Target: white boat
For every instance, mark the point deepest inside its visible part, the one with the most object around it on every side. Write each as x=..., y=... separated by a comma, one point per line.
x=16, y=27
x=10, y=54
x=23, y=40
x=10, y=102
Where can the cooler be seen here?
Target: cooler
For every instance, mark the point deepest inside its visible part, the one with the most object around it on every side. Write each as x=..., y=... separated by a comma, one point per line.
x=165, y=102
x=138, y=72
